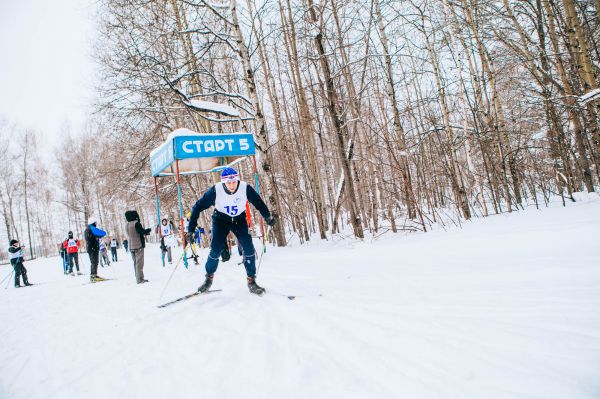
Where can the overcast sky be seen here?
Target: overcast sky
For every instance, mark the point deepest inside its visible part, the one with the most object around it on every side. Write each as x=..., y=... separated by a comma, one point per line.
x=46, y=71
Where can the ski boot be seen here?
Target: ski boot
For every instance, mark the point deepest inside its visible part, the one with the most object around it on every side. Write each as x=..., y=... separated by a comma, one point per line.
x=96, y=278
x=255, y=288
x=207, y=283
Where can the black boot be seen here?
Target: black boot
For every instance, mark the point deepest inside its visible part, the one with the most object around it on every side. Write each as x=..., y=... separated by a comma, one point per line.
x=207, y=283
x=255, y=288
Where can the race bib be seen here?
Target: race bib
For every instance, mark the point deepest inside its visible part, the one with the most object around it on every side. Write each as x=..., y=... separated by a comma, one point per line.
x=231, y=204
x=165, y=230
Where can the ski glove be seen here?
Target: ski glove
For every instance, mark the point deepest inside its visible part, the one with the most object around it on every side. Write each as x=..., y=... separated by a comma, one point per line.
x=271, y=220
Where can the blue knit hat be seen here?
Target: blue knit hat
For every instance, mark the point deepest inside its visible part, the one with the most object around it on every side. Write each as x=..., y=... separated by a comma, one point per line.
x=229, y=174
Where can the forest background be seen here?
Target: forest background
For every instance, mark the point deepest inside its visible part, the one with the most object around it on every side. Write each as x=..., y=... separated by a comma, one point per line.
x=369, y=116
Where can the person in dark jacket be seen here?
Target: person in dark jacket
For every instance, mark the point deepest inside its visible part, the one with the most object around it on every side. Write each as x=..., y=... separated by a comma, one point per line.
x=126, y=245
x=15, y=253
x=64, y=257
x=229, y=199
x=137, y=242
x=92, y=234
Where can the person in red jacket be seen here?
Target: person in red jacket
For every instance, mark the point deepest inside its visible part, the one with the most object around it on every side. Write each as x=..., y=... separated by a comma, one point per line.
x=72, y=247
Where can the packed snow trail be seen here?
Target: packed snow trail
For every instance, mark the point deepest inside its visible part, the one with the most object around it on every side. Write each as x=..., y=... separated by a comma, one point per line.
x=507, y=307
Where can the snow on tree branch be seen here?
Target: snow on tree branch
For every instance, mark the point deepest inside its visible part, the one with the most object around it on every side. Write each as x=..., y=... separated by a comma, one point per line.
x=590, y=96
x=209, y=106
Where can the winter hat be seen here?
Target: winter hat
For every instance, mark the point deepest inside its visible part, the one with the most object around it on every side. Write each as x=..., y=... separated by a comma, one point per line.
x=13, y=242
x=132, y=215
x=229, y=175
x=70, y=233
x=92, y=220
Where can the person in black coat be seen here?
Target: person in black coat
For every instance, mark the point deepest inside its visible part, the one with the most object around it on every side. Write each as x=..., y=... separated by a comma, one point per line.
x=92, y=234
x=15, y=253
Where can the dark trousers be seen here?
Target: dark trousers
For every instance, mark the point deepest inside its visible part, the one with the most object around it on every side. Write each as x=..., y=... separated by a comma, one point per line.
x=93, y=262
x=20, y=271
x=138, y=264
x=104, y=258
x=219, y=237
x=65, y=262
x=113, y=252
x=73, y=258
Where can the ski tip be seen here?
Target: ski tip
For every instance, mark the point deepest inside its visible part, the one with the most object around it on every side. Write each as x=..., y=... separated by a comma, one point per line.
x=291, y=297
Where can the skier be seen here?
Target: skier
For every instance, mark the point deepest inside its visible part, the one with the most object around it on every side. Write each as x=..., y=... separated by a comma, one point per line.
x=92, y=237
x=114, y=244
x=103, y=254
x=165, y=231
x=65, y=257
x=15, y=253
x=137, y=240
x=126, y=245
x=71, y=245
x=229, y=199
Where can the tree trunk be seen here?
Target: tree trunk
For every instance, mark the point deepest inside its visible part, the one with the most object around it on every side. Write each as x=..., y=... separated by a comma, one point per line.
x=262, y=140
x=333, y=107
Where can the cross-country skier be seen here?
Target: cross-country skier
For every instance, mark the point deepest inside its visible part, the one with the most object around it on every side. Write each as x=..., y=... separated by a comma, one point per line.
x=165, y=231
x=72, y=245
x=103, y=254
x=92, y=236
x=229, y=199
x=15, y=253
x=137, y=243
x=64, y=257
x=114, y=244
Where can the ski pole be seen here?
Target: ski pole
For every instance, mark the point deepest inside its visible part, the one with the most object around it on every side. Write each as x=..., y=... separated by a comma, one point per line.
x=6, y=278
x=171, y=276
x=262, y=252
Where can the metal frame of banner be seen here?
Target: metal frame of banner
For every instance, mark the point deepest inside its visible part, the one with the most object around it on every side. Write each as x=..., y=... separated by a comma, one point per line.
x=178, y=175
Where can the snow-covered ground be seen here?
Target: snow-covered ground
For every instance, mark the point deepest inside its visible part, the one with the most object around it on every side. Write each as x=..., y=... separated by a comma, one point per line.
x=507, y=307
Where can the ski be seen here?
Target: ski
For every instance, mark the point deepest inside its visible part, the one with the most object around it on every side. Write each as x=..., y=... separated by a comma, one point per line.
x=186, y=297
x=293, y=297
x=98, y=281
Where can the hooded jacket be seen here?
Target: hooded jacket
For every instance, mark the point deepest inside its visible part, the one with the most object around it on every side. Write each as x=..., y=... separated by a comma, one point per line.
x=135, y=231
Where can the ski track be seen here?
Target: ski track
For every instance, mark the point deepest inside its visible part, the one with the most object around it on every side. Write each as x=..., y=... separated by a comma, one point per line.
x=505, y=308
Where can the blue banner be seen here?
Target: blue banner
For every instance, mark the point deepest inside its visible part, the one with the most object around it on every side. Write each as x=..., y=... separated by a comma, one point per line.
x=214, y=145
x=162, y=158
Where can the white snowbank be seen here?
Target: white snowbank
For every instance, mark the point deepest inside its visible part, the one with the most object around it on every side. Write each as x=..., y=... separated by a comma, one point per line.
x=507, y=307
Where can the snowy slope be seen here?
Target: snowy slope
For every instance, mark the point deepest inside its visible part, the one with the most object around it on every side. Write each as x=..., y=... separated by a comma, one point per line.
x=507, y=307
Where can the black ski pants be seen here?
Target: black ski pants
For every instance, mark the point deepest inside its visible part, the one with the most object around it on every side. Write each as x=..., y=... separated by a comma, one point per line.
x=20, y=271
x=73, y=258
x=93, y=262
x=239, y=228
